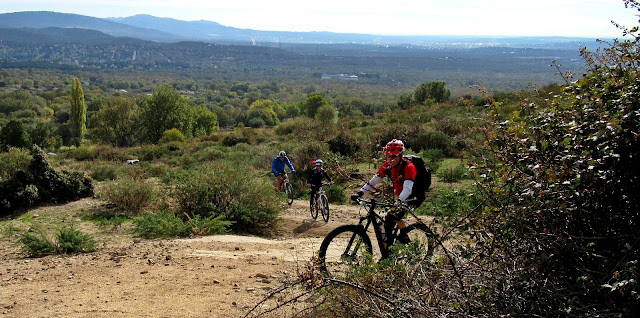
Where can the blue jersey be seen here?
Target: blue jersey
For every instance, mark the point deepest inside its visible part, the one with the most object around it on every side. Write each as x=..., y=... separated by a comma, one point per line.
x=277, y=166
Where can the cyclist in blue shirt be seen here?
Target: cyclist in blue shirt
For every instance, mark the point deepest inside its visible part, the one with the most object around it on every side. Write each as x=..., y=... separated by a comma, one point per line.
x=277, y=167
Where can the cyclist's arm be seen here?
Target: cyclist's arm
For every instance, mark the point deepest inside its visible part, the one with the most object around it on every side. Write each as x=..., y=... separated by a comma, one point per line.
x=327, y=176
x=288, y=162
x=369, y=186
x=407, y=187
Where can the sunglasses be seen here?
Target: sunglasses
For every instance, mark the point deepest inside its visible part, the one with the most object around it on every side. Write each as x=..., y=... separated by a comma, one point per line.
x=393, y=156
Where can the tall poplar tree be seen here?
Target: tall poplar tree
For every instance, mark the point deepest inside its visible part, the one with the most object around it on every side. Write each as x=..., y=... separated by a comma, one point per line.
x=78, y=116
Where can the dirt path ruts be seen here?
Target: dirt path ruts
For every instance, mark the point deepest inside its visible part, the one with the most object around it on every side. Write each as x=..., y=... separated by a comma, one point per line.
x=212, y=276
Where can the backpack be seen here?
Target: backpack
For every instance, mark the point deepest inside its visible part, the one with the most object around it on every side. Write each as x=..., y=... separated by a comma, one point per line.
x=423, y=176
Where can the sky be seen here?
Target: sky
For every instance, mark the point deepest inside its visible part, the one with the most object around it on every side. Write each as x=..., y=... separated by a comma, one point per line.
x=582, y=18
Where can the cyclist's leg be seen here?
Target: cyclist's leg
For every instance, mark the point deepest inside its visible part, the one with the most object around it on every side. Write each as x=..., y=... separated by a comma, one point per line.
x=278, y=183
x=312, y=195
x=396, y=219
x=402, y=235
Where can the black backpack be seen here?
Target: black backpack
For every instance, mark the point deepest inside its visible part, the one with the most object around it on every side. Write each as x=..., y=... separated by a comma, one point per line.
x=423, y=176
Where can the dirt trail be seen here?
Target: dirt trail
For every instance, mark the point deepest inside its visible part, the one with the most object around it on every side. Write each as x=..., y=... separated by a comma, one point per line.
x=212, y=276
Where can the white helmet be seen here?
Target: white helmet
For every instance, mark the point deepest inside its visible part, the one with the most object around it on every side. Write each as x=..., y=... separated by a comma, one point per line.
x=282, y=154
x=319, y=162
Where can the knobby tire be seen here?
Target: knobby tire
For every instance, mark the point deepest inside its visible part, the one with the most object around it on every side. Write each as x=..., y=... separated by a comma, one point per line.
x=344, y=247
x=325, y=208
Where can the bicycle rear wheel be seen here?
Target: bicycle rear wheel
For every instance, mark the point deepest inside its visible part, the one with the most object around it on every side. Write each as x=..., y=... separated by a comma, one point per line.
x=344, y=247
x=325, y=208
x=424, y=239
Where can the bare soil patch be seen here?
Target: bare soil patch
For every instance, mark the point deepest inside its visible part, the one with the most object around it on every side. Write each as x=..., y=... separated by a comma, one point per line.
x=212, y=276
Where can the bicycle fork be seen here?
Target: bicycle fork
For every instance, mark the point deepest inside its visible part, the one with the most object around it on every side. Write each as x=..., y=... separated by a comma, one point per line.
x=351, y=250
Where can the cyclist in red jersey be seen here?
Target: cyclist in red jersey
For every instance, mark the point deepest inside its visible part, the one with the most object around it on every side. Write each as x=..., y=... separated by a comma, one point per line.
x=402, y=173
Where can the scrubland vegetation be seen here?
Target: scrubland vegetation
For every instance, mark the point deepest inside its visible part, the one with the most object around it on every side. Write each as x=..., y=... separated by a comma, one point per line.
x=535, y=191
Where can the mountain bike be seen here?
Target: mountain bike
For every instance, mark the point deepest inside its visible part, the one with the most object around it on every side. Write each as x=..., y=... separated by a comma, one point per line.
x=350, y=245
x=321, y=203
x=287, y=187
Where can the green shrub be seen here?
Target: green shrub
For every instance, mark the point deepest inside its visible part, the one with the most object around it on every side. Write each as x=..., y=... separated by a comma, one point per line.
x=147, y=152
x=172, y=135
x=344, y=144
x=40, y=183
x=82, y=153
x=430, y=140
x=104, y=172
x=36, y=242
x=160, y=224
x=156, y=170
x=108, y=153
x=335, y=194
x=12, y=161
x=166, y=223
x=445, y=201
x=294, y=126
x=71, y=240
x=453, y=173
x=219, y=190
x=129, y=194
x=230, y=141
x=107, y=219
x=432, y=158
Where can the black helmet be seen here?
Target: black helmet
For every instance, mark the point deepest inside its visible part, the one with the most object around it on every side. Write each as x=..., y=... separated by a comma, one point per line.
x=282, y=154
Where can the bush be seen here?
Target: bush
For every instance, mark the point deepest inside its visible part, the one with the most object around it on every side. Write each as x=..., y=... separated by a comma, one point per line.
x=453, y=173
x=167, y=224
x=68, y=240
x=432, y=158
x=161, y=224
x=40, y=183
x=445, y=201
x=561, y=216
x=172, y=135
x=36, y=244
x=104, y=172
x=335, y=194
x=129, y=195
x=11, y=162
x=219, y=190
x=71, y=240
x=231, y=141
x=82, y=153
x=430, y=140
x=344, y=144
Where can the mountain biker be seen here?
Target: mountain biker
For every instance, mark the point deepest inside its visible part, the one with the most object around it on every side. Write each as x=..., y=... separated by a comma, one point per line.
x=277, y=167
x=315, y=180
x=401, y=172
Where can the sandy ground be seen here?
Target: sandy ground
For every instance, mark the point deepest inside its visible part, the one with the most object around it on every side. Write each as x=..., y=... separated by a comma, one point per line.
x=212, y=276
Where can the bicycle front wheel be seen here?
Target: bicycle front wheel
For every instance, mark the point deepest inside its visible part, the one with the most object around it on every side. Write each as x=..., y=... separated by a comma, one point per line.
x=288, y=188
x=314, y=209
x=325, y=208
x=343, y=248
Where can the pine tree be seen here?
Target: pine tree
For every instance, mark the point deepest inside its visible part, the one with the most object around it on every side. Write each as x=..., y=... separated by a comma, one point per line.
x=78, y=116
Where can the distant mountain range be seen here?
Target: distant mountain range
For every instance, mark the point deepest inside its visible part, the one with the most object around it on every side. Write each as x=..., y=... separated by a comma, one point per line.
x=150, y=28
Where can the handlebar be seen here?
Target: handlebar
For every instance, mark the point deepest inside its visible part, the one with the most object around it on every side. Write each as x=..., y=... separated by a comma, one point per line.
x=375, y=202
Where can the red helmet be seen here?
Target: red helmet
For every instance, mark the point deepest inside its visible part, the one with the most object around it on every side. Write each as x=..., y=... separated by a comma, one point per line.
x=393, y=148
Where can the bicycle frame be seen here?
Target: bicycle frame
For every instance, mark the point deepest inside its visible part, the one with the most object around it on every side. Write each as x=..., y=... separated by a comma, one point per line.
x=385, y=239
x=284, y=181
x=321, y=191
